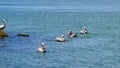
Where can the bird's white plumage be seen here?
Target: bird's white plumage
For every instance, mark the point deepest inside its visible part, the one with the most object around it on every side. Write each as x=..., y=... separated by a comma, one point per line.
x=4, y=24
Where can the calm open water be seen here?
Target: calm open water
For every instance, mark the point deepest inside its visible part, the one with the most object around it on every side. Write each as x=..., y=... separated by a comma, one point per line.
x=46, y=20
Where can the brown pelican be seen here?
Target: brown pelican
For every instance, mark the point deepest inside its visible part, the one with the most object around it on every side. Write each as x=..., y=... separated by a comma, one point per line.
x=60, y=39
x=4, y=24
x=84, y=31
x=71, y=34
x=42, y=49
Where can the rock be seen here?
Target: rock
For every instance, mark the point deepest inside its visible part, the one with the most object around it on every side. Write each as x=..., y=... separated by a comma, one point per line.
x=3, y=34
x=23, y=35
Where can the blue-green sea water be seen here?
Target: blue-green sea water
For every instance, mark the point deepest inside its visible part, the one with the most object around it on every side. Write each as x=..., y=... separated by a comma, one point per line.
x=44, y=20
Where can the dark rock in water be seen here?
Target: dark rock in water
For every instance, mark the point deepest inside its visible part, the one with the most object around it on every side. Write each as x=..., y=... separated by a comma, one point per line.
x=23, y=35
x=3, y=34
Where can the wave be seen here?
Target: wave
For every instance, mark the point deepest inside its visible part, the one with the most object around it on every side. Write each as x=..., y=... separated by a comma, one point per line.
x=61, y=8
x=77, y=6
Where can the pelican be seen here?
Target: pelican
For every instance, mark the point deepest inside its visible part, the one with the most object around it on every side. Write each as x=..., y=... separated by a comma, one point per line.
x=42, y=49
x=84, y=31
x=60, y=39
x=4, y=24
x=71, y=34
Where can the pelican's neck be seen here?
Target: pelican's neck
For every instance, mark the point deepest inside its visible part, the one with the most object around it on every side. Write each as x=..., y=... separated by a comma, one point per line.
x=4, y=22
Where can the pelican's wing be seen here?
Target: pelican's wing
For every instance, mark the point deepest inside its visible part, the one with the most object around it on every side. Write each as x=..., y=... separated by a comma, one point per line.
x=1, y=26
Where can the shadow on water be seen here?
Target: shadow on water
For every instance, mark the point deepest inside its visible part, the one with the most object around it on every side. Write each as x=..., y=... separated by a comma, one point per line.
x=43, y=54
x=53, y=40
x=87, y=36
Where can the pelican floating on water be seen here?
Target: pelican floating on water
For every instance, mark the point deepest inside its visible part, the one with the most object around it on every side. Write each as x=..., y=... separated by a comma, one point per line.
x=71, y=34
x=84, y=31
x=60, y=39
x=4, y=24
x=42, y=49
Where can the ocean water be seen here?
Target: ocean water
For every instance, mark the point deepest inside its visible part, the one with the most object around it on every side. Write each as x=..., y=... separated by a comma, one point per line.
x=45, y=20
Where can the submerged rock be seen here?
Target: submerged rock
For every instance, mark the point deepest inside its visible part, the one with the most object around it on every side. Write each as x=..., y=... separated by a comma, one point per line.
x=3, y=34
x=23, y=35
